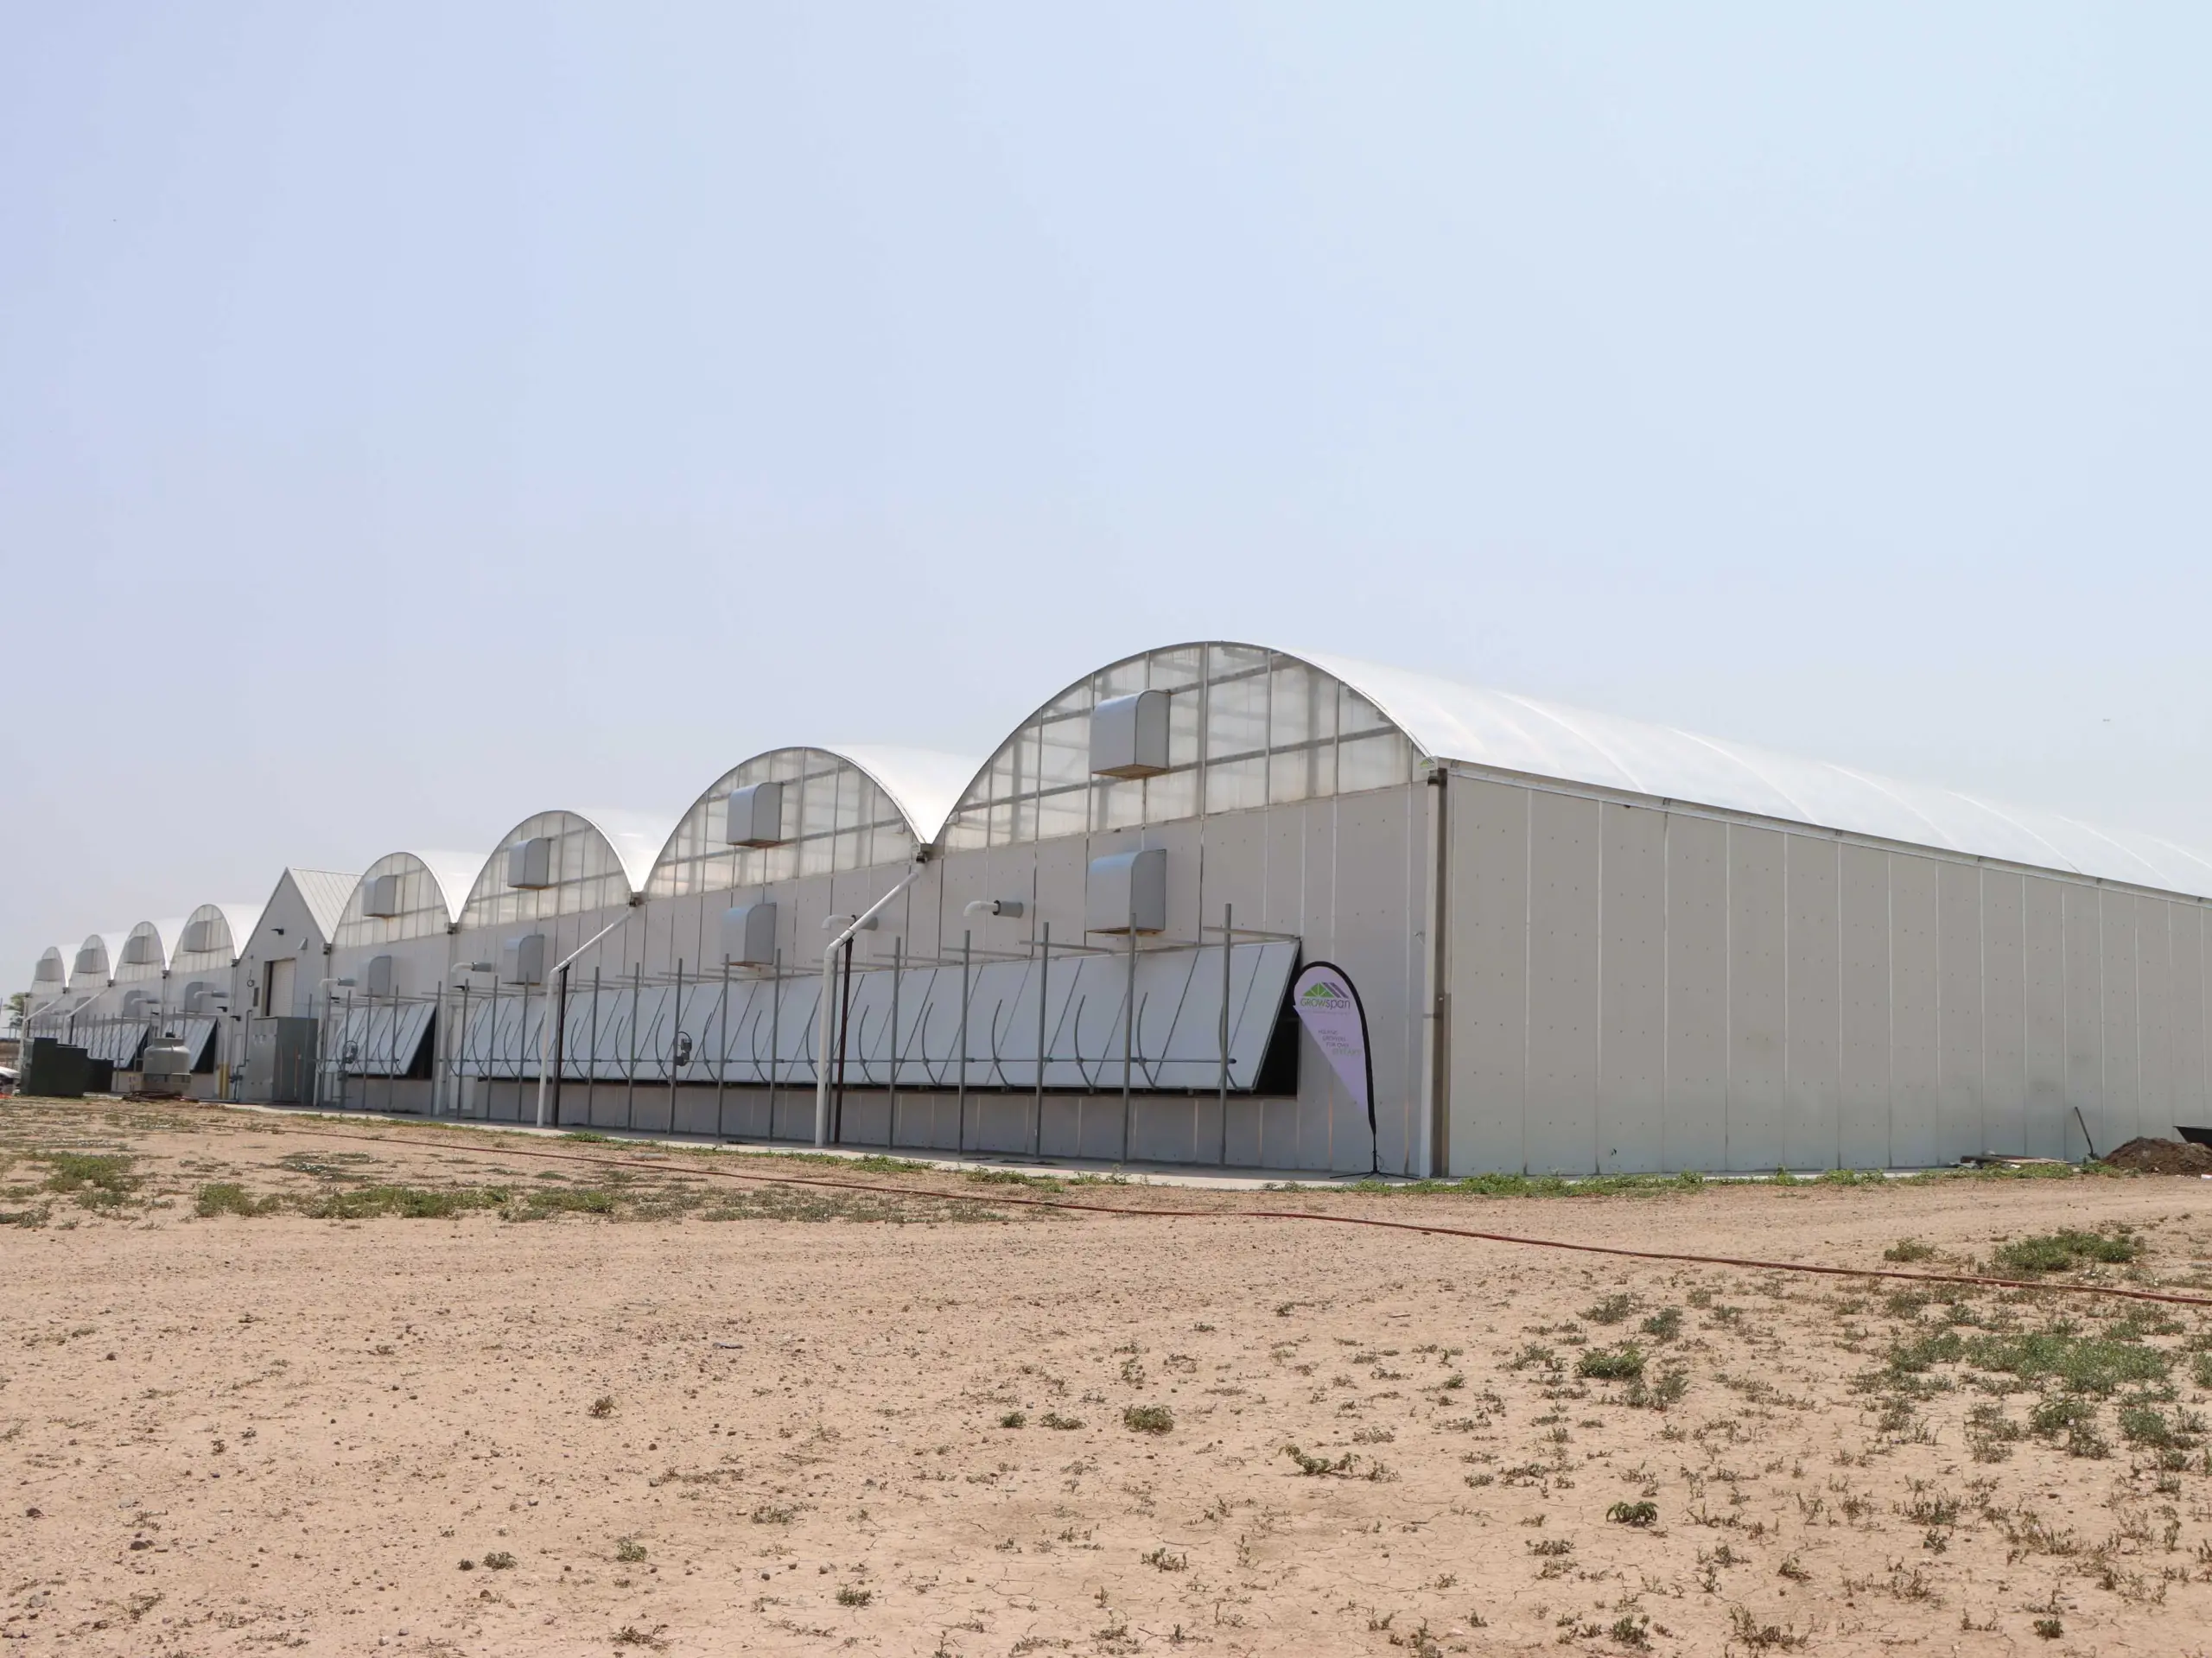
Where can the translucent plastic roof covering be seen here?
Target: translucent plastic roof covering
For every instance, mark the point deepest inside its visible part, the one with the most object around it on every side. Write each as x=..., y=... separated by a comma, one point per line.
x=431, y=888
x=841, y=809
x=1449, y=721
x=1246, y=726
x=89, y=969
x=221, y=930
x=599, y=859
x=51, y=975
x=145, y=953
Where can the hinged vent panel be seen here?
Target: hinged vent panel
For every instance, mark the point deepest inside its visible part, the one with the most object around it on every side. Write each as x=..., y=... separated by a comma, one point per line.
x=379, y=978
x=749, y=935
x=380, y=897
x=1129, y=735
x=755, y=815
x=530, y=863
x=522, y=961
x=1128, y=892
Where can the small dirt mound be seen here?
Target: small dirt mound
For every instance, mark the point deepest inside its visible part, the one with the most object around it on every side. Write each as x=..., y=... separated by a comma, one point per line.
x=2148, y=1156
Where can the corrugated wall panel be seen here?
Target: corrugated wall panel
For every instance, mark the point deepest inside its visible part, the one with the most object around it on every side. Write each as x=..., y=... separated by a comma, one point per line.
x=2120, y=1117
x=1370, y=905
x=1863, y=1091
x=1696, y=1129
x=1959, y=967
x=1757, y=999
x=2188, y=935
x=1809, y=1123
x=2044, y=1129
x=2085, y=1015
x=1916, y=1093
x=1563, y=933
x=1490, y=978
x=1632, y=994
x=2003, y=1079
x=2154, y=970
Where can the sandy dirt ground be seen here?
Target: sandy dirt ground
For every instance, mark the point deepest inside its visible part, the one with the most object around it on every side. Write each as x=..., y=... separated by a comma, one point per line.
x=272, y=1383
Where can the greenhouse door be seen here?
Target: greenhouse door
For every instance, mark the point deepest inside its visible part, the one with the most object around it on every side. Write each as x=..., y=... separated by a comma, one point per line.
x=280, y=987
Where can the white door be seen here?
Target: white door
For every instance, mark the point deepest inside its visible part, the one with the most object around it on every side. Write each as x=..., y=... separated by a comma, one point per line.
x=280, y=987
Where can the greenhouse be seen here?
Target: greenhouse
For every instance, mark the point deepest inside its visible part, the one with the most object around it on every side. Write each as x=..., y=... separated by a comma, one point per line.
x=1574, y=942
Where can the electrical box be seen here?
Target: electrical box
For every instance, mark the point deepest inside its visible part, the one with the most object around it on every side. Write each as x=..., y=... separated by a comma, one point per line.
x=749, y=935
x=279, y=1062
x=379, y=978
x=1129, y=735
x=530, y=863
x=755, y=816
x=522, y=961
x=1128, y=892
x=380, y=896
x=56, y=1070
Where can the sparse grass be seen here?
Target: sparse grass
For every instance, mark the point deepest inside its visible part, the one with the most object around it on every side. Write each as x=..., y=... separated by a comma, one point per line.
x=1612, y=1310
x=1052, y=1419
x=1015, y=1419
x=545, y=1204
x=630, y=1551
x=1639, y=1515
x=1622, y=1363
x=1664, y=1325
x=94, y=1180
x=852, y=1595
x=2064, y=1251
x=405, y=1203
x=228, y=1197
x=1148, y=1419
x=1908, y=1249
x=500, y=1560
x=601, y=1406
x=2082, y=1363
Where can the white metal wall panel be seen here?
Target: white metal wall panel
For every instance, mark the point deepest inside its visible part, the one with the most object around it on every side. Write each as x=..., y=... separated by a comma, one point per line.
x=2121, y=1117
x=2187, y=925
x=1916, y=1093
x=1563, y=1011
x=2004, y=958
x=2085, y=1015
x=1814, y=1013
x=1958, y=1053
x=1489, y=940
x=1301, y=853
x=1632, y=990
x=2044, y=1129
x=1696, y=1131
x=1757, y=999
x=2154, y=970
x=1863, y=1087
x=1372, y=903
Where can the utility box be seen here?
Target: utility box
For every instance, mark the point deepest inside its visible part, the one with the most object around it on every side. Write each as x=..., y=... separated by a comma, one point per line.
x=280, y=1055
x=1129, y=735
x=380, y=897
x=56, y=1070
x=522, y=961
x=749, y=935
x=530, y=863
x=1128, y=892
x=753, y=816
x=380, y=977
x=165, y=1070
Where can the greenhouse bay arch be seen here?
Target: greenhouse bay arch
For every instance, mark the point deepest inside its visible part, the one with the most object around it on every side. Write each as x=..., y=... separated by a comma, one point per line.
x=557, y=884
x=701, y=1020
x=391, y=955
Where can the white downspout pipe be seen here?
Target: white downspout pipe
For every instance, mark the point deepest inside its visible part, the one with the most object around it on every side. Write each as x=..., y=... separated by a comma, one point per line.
x=552, y=1013
x=826, y=1011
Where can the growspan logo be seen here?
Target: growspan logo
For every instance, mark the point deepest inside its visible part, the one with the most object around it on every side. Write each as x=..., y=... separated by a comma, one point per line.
x=1321, y=994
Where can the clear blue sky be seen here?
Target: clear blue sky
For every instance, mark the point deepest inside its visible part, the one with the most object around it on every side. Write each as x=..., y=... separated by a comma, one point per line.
x=412, y=417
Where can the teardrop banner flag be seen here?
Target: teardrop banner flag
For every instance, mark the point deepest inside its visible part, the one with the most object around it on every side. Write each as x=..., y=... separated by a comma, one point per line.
x=1328, y=1006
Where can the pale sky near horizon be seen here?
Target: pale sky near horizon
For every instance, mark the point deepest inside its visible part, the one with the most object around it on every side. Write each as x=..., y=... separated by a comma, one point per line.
x=413, y=416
